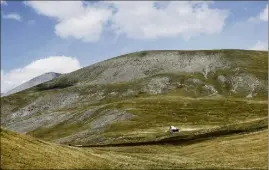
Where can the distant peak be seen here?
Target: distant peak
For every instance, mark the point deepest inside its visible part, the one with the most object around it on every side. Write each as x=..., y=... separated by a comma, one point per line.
x=52, y=73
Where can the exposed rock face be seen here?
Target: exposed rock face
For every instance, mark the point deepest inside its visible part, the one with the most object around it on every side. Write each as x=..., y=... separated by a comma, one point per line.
x=222, y=79
x=33, y=82
x=157, y=85
x=48, y=102
x=48, y=119
x=43, y=104
x=210, y=89
x=136, y=67
x=247, y=83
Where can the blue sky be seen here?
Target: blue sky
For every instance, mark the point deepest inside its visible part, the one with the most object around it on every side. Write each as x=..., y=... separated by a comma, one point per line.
x=35, y=33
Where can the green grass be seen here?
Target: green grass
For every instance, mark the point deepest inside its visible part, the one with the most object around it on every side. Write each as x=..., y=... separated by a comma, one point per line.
x=160, y=135
x=231, y=152
x=240, y=151
x=166, y=109
x=57, y=131
x=24, y=152
x=154, y=114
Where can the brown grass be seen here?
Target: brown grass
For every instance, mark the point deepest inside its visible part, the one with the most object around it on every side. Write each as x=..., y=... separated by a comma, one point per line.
x=232, y=152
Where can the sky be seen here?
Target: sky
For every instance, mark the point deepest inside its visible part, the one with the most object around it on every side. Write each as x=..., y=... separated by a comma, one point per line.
x=63, y=36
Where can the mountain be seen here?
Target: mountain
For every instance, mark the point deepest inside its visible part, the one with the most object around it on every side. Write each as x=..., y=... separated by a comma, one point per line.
x=33, y=82
x=137, y=96
x=215, y=97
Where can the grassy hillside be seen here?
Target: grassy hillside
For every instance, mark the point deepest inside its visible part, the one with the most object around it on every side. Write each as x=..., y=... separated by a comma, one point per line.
x=139, y=95
x=152, y=117
x=24, y=152
x=243, y=151
x=218, y=99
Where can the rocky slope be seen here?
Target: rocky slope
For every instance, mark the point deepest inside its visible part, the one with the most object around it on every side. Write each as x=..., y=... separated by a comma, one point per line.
x=135, y=97
x=33, y=82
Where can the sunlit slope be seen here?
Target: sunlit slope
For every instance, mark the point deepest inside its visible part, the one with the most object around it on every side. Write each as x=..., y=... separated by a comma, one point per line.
x=20, y=151
x=243, y=151
x=136, y=97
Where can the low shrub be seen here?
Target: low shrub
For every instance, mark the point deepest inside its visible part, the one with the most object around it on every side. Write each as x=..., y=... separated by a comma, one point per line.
x=57, y=84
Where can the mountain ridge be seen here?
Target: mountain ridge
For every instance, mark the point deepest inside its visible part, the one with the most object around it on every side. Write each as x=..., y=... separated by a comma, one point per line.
x=33, y=82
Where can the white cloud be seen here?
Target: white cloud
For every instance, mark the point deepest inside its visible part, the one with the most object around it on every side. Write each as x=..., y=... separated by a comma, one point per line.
x=13, y=16
x=87, y=27
x=75, y=18
x=142, y=20
x=260, y=46
x=264, y=14
x=3, y=2
x=138, y=20
x=59, y=64
x=57, y=9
